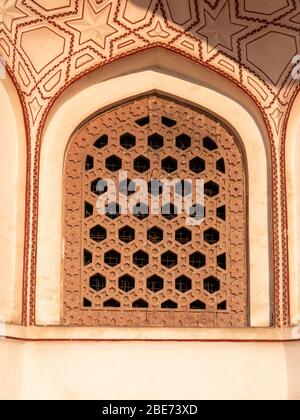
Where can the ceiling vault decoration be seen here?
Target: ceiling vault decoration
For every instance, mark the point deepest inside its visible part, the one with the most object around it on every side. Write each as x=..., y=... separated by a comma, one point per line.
x=47, y=44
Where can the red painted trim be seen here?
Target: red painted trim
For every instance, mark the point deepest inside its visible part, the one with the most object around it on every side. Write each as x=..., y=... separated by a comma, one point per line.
x=86, y=340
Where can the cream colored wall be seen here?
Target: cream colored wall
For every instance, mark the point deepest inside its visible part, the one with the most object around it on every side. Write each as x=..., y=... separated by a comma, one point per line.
x=293, y=192
x=292, y=351
x=195, y=85
x=145, y=370
x=12, y=202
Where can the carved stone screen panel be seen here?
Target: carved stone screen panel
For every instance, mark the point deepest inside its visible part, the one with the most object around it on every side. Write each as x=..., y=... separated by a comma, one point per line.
x=146, y=269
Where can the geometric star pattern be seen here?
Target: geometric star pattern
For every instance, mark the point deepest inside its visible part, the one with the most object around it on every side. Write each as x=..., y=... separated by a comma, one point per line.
x=220, y=30
x=216, y=33
x=94, y=26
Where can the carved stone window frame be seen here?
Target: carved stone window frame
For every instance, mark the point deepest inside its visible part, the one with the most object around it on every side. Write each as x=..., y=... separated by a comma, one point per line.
x=96, y=152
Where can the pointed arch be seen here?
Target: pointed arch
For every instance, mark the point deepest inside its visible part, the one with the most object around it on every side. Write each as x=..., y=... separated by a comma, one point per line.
x=141, y=74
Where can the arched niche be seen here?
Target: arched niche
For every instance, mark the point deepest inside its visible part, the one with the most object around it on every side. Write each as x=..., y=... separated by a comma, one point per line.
x=12, y=207
x=293, y=198
x=128, y=78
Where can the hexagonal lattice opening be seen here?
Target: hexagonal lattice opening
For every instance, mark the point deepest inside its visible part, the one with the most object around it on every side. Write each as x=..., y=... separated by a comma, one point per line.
x=155, y=284
x=197, y=212
x=88, y=210
x=221, y=166
x=169, y=259
x=183, y=236
x=127, y=187
x=211, y=189
x=97, y=282
x=197, y=165
x=221, y=212
x=143, y=121
x=183, y=284
x=198, y=305
x=126, y=283
x=169, y=165
x=98, y=233
x=89, y=163
x=183, y=142
x=184, y=188
x=209, y=144
x=141, y=164
x=169, y=304
x=112, y=258
x=155, y=187
x=99, y=186
x=222, y=261
x=101, y=142
x=87, y=257
x=126, y=234
x=140, y=259
x=111, y=303
x=211, y=236
x=128, y=141
x=113, y=163
x=155, y=141
x=212, y=285
x=140, y=303
x=113, y=210
x=222, y=306
x=169, y=211
x=197, y=260
x=87, y=303
x=155, y=235
x=141, y=211
x=168, y=122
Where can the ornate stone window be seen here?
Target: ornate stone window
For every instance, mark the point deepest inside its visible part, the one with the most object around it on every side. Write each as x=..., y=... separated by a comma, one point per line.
x=146, y=269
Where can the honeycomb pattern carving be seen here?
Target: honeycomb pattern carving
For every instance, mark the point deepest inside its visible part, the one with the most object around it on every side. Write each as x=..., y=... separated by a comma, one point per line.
x=146, y=269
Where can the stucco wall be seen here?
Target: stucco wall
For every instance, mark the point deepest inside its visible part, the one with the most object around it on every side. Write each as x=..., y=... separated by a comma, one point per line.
x=149, y=370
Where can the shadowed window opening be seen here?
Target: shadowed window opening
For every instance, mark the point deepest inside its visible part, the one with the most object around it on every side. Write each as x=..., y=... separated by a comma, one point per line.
x=128, y=141
x=140, y=303
x=168, y=122
x=209, y=144
x=143, y=121
x=222, y=306
x=221, y=166
x=221, y=213
x=88, y=210
x=111, y=303
x=126, y=234
x=126, y=283
x=156, y=141
x=89, y=163
x=101, y=142
x=198, y=305
x=87, y=257
x=169, y=304
x=87, y=303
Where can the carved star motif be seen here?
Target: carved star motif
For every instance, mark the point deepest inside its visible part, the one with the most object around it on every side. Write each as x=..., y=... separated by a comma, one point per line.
x=9, y=12
x=158, y=32
x=220, y=30
x=94, y=26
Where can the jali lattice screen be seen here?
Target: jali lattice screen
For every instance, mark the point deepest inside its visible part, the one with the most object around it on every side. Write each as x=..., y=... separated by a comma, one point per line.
x=148, y=269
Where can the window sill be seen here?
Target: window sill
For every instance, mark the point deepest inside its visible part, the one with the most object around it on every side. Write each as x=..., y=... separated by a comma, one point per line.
x=58, y=333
